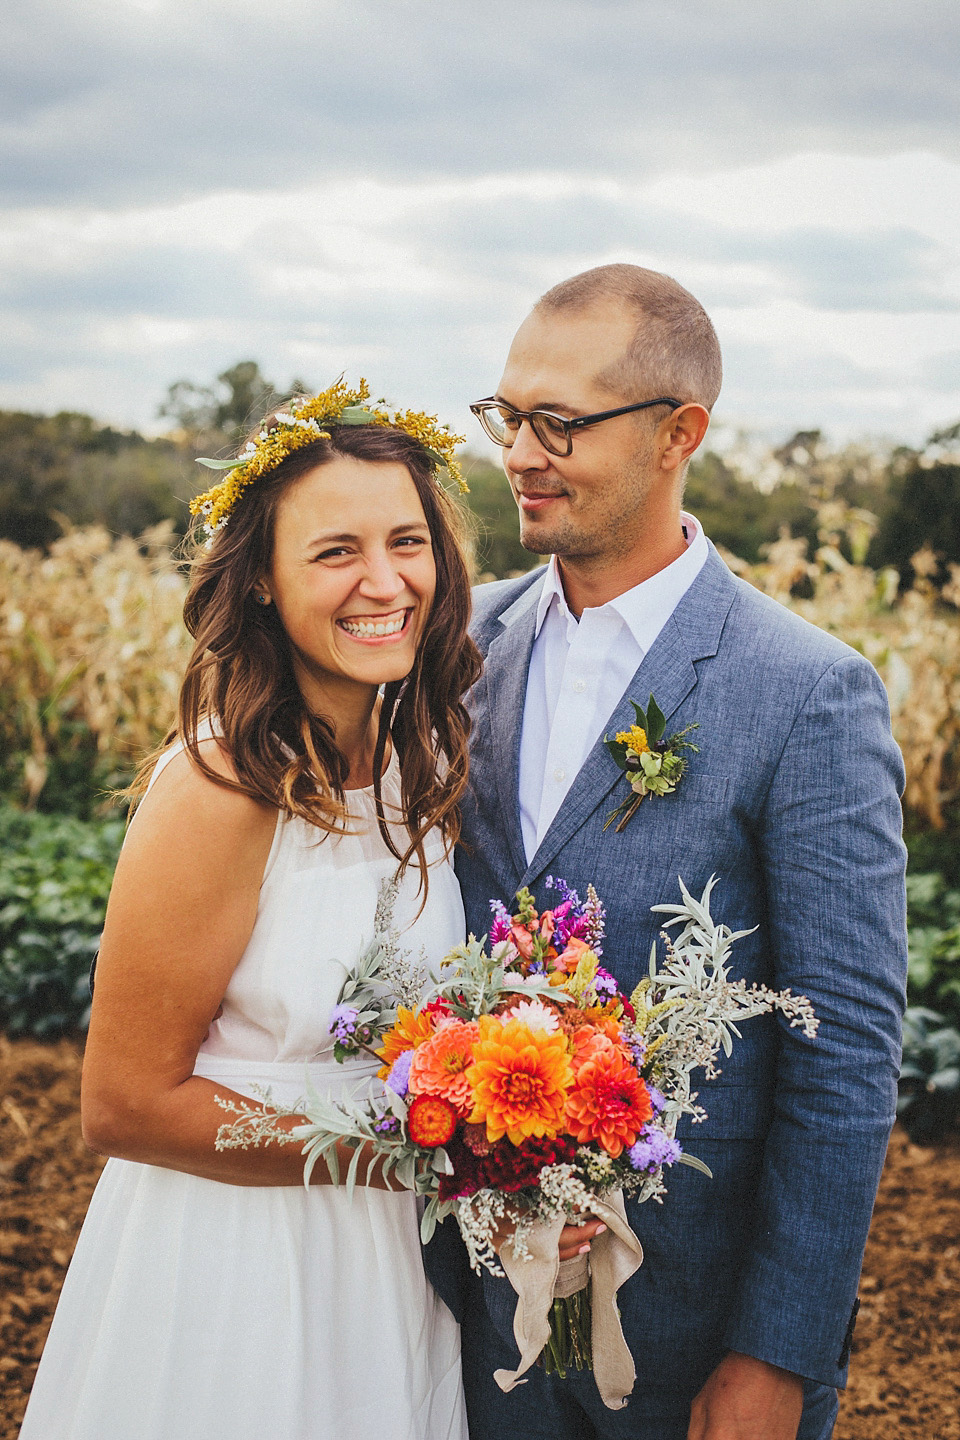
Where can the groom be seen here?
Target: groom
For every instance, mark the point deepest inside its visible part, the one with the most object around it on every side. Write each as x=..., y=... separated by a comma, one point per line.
x=741, y=1317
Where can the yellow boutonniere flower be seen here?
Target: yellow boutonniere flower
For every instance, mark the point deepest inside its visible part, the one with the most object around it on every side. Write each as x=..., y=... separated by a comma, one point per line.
x=652, y=765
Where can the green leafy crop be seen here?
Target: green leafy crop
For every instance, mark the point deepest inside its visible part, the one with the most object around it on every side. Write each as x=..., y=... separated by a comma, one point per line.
x=55, y=874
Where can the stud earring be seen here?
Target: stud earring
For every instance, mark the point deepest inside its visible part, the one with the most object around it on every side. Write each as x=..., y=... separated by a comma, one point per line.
x=261, y=599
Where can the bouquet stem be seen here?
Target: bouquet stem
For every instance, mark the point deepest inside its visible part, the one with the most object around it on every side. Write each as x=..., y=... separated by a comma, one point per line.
x=569, y=1346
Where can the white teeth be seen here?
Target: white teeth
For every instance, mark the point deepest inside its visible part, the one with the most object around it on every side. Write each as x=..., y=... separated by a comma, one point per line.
x=366, y=628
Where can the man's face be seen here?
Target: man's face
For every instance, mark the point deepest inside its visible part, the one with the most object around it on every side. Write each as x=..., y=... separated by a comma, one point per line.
x=589, y=504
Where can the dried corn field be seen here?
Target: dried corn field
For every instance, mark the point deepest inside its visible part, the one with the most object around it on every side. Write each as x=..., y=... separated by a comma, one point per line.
x=92, y=647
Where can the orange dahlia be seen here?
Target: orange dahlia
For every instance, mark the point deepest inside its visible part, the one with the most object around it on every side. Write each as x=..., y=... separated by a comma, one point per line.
x=609, y=1102
x=599, y=1037
x=588, y=1043
x=410, y=1030
x=431, y=1120
x=441, y=1061
x=520, y=1078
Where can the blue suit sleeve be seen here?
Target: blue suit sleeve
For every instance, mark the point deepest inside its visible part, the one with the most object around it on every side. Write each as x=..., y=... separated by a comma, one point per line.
x=834, y=863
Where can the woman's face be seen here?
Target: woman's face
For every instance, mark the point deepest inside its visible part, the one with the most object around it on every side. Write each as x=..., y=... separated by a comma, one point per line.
x=352, y=577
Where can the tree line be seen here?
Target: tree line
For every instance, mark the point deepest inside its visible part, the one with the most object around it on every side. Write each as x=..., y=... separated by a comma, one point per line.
x=63, y=469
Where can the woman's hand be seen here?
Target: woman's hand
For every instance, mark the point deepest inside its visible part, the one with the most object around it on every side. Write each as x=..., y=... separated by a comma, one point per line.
x=574, y=1239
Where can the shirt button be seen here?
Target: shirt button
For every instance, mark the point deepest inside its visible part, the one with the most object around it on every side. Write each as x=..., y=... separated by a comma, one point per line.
x=559, y=774
x=579, y=686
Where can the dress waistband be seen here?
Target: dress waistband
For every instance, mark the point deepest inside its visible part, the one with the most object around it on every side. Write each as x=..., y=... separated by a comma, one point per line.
x=285, y=1072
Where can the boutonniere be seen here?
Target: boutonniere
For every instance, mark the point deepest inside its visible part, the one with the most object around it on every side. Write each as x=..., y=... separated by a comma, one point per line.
x=652, y=765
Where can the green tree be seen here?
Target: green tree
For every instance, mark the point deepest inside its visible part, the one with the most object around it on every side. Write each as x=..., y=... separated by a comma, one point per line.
x=226, y=411
x=67, y=466
x=737, y=514
x=924, y=506
x=497, y=540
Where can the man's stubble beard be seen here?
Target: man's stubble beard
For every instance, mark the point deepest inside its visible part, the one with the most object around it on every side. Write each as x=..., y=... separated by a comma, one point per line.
x=609, y=533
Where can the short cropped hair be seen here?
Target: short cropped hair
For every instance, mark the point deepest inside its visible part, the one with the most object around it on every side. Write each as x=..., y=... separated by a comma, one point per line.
x=674, y=350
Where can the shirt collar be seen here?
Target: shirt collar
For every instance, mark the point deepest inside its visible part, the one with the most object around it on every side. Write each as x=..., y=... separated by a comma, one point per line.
x=645, y=608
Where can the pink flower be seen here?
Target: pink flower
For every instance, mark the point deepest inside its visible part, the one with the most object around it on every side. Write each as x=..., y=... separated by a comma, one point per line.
x=523, y=940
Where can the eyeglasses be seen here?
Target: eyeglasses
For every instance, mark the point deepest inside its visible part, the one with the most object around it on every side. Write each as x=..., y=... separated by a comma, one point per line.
x=502, y=422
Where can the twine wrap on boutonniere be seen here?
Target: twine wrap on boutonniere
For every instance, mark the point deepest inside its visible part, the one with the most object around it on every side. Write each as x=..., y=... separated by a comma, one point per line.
x=652, y=765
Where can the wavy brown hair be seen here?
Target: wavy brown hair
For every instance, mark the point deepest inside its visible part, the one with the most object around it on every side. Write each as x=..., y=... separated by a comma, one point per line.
x=240, y=671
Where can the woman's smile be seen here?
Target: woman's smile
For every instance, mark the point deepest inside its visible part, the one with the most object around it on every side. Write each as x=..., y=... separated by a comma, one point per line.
x=353, y=576
x=376, y=629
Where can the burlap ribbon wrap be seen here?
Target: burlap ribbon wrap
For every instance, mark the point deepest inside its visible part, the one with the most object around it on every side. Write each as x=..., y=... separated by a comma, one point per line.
x=541, y=1278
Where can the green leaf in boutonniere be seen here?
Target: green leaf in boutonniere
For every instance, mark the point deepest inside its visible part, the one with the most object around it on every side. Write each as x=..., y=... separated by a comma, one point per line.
x=651, y=764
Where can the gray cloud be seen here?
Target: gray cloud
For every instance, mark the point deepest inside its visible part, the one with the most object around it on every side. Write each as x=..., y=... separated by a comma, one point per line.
x=942, y=372
x=118, y=104
x=107, y=102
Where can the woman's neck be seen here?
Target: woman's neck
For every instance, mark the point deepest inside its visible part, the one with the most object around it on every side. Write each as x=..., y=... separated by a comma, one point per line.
x=353, y=711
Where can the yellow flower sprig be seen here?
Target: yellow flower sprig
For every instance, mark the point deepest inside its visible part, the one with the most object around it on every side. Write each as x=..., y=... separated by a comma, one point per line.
x=304, y=422
x=652, y=764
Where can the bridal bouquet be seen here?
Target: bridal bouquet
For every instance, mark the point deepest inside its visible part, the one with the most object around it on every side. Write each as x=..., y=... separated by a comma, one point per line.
x=522, y=1090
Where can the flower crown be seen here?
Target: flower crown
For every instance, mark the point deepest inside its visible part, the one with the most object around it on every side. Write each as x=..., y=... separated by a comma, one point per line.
x=301, y=424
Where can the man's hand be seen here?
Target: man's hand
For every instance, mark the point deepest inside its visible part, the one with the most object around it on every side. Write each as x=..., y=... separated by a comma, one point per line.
x=747, y=1399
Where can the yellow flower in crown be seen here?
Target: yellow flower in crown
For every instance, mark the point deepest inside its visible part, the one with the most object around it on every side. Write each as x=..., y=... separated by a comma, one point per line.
x=306, y=420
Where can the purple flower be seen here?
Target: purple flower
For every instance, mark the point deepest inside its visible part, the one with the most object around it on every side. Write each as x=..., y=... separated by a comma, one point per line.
x=604, y=983
x=388, y=1125
x=638, y=1049
x=343, y=1022
x=569, y=894
x=500, y=929
x=657, y=1099
x=399, y=1078
x=652, y=1150
x=564, y=921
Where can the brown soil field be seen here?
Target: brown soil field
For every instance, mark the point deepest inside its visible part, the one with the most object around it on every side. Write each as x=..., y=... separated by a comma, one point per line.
x=905, y=1372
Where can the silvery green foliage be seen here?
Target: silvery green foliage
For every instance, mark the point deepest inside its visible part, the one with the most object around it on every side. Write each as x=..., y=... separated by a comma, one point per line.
x=384, y=976
x=561, y=1191
x=698, y=1007
x=326, y=1124
x=481, y=980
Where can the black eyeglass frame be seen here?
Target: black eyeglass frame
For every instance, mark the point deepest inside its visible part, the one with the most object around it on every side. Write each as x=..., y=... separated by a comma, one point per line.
x=480, y=407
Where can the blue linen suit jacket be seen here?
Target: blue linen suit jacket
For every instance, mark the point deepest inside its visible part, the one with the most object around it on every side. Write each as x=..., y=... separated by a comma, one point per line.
x=793, y=801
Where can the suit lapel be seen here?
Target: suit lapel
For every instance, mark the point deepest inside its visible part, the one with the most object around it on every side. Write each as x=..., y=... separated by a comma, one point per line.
x=505, y=681
x=667, y=671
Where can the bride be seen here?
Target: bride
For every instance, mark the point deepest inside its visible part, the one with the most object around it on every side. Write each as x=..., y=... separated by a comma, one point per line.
x=321, y=746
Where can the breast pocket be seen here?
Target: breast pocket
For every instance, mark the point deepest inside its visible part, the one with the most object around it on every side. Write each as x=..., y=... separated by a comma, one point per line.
x=701, y=788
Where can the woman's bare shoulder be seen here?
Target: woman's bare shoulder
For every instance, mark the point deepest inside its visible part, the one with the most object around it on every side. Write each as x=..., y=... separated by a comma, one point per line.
x=184, y=801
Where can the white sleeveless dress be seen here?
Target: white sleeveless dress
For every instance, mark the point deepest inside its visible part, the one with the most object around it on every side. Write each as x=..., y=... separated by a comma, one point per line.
x=199, y=1310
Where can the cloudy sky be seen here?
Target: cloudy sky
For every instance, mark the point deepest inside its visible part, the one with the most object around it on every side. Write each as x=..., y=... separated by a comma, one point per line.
x=384, y=187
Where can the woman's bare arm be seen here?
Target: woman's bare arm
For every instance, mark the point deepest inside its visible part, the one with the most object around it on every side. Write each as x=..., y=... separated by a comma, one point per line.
x=181, y=912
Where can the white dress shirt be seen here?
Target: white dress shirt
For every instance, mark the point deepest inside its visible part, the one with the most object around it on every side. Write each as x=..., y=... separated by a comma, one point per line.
x=588, y=664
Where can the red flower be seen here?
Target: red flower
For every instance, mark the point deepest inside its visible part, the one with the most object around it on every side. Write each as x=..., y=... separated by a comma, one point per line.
x=431, y=1121
x=506, y=1167
x=515, y=1167
x=469, y=1170
x=438, y=1007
